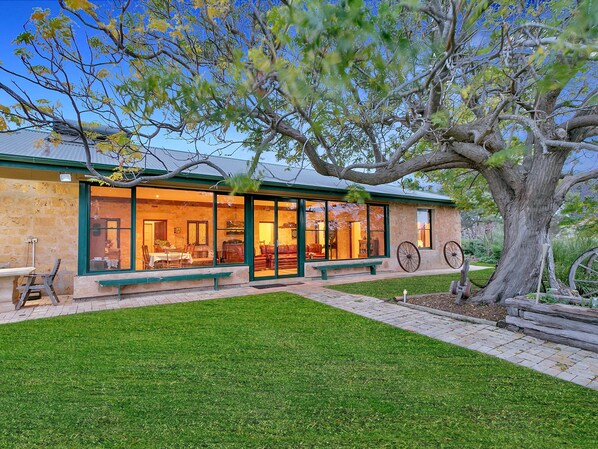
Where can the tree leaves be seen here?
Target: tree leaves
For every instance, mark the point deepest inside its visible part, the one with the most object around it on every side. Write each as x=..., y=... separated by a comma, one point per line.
x=242, y=183
x=357, y=194
x=84, y=5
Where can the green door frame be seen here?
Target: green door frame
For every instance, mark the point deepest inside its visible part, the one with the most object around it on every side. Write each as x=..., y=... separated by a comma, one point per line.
x=300, y=220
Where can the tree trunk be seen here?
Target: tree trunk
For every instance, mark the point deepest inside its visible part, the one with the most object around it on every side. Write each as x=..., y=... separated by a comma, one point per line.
x=519, y=266
x=527, y=208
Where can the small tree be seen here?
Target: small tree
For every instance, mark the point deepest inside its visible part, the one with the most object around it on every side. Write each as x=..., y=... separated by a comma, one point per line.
x=366, y=93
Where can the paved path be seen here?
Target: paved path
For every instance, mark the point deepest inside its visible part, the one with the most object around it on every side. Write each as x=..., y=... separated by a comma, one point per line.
x=565, y=362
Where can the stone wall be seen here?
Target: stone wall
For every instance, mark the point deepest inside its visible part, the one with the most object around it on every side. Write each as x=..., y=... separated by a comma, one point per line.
x=47, y=211
x=446, y=226
x=34, y=205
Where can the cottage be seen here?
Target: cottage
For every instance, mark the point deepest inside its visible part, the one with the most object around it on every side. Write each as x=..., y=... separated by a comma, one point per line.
x=296, y=224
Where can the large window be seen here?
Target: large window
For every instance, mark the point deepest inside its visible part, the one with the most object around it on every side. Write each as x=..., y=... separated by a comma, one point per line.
x=176, y=228
x=347, y=230
x=165, y=238
x=230, y=229
x=338, y=230
x=377, y=231
x=315, y=229
x=109, y=229
x=424, y=228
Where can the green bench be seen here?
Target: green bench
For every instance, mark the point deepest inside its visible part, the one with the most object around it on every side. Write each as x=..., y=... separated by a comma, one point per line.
x=150, y=280
x=370, y=263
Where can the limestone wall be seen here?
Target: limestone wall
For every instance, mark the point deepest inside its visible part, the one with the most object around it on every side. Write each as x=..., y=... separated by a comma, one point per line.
x=446, y=226
x=48, y=210
x=45, y=210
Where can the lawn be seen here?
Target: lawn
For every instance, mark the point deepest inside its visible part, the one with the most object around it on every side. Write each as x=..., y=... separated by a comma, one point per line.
x=273, y=370
x=415, y=285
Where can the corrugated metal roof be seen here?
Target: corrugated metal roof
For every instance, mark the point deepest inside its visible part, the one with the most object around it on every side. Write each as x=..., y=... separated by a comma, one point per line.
x=25, y=145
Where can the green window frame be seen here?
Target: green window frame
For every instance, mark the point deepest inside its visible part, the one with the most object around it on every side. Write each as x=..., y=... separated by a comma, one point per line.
x=371, y=248
x=83, y=267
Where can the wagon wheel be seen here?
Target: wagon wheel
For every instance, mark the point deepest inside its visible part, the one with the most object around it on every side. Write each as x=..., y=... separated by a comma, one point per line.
x=453, y=254
x=583, y=275
x=408, y=257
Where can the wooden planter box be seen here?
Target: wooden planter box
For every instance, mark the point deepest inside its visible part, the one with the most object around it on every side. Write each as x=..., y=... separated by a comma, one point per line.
x=561, y=323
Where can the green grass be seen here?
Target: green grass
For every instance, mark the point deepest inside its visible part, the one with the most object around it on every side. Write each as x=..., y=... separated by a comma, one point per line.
x=566, y=251
x=271, y=370
x=483, y=264
x=415, y=285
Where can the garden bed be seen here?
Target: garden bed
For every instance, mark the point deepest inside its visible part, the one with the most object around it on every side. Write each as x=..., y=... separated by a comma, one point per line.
x=446, y=303
x=561, y=323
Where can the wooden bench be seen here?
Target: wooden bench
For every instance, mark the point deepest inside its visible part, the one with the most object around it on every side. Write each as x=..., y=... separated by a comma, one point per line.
x=149, y=280
x=370, y=263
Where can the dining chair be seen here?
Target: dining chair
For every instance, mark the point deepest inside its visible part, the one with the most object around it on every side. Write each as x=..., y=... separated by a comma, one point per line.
x=174, y=259
x=189, y=249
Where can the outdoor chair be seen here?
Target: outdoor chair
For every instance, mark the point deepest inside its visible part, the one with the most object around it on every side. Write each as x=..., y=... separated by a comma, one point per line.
x=47, y=285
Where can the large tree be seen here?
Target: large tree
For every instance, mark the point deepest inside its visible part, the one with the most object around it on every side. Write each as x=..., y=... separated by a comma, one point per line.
x=367, y=92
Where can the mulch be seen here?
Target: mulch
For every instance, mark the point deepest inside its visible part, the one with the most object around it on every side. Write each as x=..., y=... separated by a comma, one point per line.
x=446, y=302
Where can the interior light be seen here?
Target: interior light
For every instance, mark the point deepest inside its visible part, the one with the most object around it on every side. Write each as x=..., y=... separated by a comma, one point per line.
x=65, y=177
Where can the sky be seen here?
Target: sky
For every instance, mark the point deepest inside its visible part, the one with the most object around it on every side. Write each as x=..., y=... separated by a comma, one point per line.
x=14, y=14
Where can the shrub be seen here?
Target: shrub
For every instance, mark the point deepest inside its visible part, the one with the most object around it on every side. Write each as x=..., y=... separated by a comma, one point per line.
x=487, y=250
x=566, y=251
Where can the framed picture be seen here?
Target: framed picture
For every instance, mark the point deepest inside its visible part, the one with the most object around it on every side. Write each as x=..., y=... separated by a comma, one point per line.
x=177, y=230
x=293, y=233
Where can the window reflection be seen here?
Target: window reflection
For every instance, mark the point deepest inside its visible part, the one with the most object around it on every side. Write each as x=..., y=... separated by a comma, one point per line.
x=315, y=229
x=110, y=229
x=347, y=230
x=163, y=228
x=230, y=233
x=424, y=228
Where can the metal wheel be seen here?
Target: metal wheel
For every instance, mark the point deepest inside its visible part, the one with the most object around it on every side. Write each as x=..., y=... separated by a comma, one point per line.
x=583, y=275
x=408, y=257
x=453, y=254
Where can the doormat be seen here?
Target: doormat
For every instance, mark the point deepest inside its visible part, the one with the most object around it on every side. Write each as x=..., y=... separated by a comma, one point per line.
x=264, y=286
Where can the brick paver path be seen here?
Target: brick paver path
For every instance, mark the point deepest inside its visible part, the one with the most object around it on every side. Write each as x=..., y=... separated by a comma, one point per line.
x=565, y=362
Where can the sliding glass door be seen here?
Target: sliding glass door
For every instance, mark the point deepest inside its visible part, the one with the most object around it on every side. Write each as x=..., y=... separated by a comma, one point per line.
x=275, y=238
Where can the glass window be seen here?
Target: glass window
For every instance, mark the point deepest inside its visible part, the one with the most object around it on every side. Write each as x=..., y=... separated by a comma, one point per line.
x=315, y=229
x=166, y=237
x=347, y=230
x=109, y=229
x=197, y=232
x=424, y=228
x=230, y=238
x=377, y=231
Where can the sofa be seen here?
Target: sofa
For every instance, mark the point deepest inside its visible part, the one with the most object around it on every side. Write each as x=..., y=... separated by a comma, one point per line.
x=314, y=251
x=287, y=255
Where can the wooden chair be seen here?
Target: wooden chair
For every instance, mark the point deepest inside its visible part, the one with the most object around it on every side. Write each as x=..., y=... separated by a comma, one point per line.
x=47, y=285
x=146, y=257
x=174, y=261
x=191, y=250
